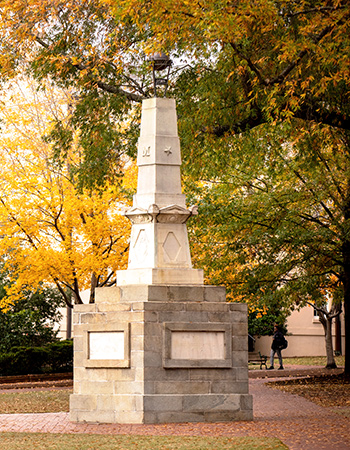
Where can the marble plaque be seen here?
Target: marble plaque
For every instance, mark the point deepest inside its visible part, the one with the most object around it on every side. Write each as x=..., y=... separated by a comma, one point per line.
x=106, y=345
x=198, y=345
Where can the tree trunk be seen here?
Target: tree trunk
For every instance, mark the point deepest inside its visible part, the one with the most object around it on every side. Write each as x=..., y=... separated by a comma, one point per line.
x=329, y=345
x=327, y=327
x=337, y=347
x=93, y=286
x=347, y=326
x=346, y=283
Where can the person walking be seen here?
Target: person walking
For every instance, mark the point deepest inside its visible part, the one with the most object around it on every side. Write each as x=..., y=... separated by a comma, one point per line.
x=278, y=344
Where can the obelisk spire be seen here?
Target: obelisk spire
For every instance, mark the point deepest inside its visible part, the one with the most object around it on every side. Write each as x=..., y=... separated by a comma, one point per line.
x=159, y=249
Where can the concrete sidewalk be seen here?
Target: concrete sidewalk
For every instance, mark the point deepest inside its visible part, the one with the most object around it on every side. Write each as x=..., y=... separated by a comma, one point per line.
x=297, y=422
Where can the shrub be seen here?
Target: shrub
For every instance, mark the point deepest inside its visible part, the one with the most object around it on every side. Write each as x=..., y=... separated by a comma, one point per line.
x=60, y=356
x=52, y=358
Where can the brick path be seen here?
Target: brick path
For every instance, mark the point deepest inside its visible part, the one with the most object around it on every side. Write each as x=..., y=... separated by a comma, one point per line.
x=300, y=424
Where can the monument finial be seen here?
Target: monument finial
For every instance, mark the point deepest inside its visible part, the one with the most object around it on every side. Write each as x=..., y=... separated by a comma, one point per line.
x=161, y=62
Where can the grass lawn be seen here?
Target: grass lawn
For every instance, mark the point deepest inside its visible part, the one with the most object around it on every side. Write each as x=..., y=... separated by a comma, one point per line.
x=38, y=441
x=313, y=361
x=304, y=361
x=34, y=401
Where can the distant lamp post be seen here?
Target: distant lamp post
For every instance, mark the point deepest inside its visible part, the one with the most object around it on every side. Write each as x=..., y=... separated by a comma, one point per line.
x=161, y=62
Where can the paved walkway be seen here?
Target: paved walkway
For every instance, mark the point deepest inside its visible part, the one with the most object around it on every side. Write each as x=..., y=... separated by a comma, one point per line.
x=299, y=423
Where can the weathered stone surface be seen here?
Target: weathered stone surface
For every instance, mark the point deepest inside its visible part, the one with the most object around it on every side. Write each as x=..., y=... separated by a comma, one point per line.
x=228, y=374
x=227, y=387
x=239, y=343
x=83, y=402
x=152, y=358
x=97, y=387
x=208, y=307
x=239, y=358
x=208, y=393
x=131, y=387
x=129, y=417
x=78, y=343
x=216, y=402
x=79, y=359
x=113, y=307
x=247, y=403
x=205, y=393
x=84, y=308
x=163, y=403
x=214, y=294
x=240, y=329
x=184, y=293
x=171, y=416
x=161, y=276
x=93, y=318
x=107, y=295
x=92, y=417
x=161, y=374
x=176, y=387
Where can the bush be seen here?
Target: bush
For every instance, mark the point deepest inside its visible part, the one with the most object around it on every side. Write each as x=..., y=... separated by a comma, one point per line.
x=52, y=358
x=60, y=356
x=32, y=320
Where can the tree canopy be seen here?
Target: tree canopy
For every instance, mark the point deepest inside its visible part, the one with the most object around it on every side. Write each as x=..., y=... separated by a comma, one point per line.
x=79, y=46
x=262, y=90
x=248, y=62
x=51, y=231
x=271, y=227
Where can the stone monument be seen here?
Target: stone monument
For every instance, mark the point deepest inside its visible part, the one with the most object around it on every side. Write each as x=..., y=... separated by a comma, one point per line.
x=160, y=346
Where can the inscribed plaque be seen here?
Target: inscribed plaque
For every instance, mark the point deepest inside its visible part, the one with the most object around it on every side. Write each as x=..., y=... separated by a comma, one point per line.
x=106, y=345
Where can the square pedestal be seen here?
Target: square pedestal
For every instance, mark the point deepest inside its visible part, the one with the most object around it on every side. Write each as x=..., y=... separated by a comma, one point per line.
x=156, y=354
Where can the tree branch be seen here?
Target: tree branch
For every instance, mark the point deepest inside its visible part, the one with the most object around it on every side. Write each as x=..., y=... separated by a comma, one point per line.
x=112, y=89
x=62, y=292
x=312, y=10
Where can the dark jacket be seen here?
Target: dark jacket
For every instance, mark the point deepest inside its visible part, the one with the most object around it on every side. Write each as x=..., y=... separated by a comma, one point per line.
x=278, y=341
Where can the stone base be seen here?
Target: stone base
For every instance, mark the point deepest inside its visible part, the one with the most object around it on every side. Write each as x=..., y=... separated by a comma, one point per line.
x=171, y=276
x=161, y=408
x=181, y=355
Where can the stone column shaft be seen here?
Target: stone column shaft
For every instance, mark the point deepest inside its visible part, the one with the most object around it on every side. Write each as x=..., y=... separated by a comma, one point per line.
x=159, y=248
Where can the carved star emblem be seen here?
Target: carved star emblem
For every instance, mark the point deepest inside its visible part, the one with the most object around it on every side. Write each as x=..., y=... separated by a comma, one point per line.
x=168, y=150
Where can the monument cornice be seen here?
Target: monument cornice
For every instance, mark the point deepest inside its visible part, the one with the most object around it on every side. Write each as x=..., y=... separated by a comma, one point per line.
x=154, y=214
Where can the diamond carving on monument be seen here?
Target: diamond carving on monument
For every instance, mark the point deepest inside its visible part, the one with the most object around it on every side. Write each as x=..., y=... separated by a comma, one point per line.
x=171, y=246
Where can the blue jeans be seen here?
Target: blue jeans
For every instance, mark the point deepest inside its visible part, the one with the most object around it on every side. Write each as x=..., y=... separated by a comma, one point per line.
x=272, y=357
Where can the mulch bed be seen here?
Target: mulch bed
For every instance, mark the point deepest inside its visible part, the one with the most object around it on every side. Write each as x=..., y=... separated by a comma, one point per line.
x=328, y=390
x=37, y=381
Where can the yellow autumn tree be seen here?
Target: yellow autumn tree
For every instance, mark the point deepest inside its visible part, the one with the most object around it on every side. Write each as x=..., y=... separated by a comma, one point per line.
x=50, y=231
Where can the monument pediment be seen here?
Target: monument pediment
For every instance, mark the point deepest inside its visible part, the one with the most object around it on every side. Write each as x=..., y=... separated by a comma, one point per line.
x=173, y=214
x=138, y=215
